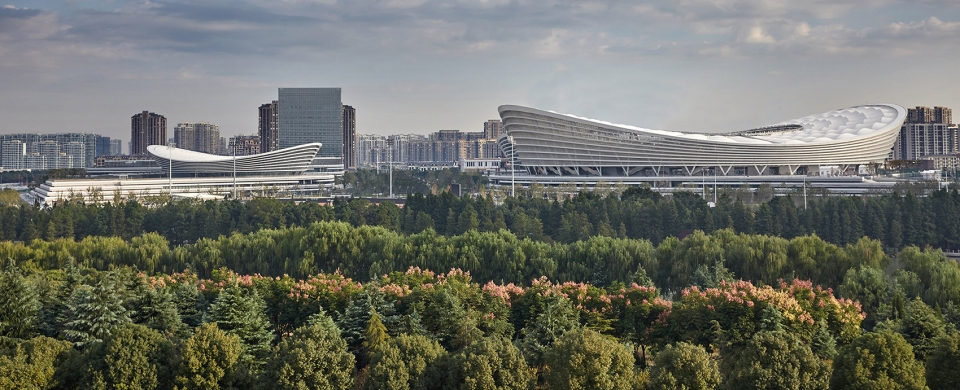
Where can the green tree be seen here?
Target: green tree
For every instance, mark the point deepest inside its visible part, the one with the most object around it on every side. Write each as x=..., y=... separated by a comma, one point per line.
x=775, y=360
x=19, y=306
x=585, y=359
x=407, y=362
x=314, y=357
x=208, y=358
x=93, y=313
x=539, y=335
x=922, y=327
x=241, y=311
x=133, y=357
x=490, y=363
x=31, y=364
x=684, y=367
x=942, y=373
x=156, y=309
x=877, y=360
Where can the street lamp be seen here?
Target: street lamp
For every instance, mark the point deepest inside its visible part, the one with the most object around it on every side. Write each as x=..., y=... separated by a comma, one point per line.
x=513, y=169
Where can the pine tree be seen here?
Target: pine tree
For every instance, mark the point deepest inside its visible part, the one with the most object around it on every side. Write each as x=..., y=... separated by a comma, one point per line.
x=19, y=307
x=375, y=335
x=356, y=317
x=190, y=303
x=538, y=336
x=94, y=312
x=823, y=344
x=155, y=308
x=241, y=312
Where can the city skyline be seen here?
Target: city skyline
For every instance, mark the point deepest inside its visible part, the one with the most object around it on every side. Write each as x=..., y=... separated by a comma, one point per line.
x=678, y=65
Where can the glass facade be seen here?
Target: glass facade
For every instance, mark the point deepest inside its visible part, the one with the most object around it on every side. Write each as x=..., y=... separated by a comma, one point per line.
x=308, y=115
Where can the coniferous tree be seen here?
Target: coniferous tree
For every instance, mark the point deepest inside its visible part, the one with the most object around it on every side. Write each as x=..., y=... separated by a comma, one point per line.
x=557, y=318
x=93, y=313
x=241, y=312
x=19, y=307
x=156, y=309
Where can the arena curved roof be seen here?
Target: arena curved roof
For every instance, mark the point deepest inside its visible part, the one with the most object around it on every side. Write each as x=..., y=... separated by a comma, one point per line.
x=547, y=140
x=293, y=160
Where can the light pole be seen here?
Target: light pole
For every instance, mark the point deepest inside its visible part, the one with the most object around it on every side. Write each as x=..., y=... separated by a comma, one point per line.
x=234, y=170
x=513, y=170
x=390, y=152
x=170, y=169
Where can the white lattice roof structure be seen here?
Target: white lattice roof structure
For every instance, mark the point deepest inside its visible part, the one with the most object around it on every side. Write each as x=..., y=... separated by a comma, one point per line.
x=551, y=143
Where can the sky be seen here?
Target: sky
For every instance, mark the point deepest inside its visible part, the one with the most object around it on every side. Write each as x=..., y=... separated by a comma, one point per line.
x=418, y=66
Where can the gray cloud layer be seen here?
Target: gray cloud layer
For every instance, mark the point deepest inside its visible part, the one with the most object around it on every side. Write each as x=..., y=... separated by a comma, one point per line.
x=423, y=65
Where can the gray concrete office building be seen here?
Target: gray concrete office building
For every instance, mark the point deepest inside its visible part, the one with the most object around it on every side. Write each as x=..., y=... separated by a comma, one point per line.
x=308, y=115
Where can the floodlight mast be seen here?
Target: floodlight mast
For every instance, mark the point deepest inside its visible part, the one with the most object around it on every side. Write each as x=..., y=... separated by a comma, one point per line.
x=513, y=170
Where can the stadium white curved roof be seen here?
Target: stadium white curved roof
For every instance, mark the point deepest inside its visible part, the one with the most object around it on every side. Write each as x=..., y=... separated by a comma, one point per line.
x=548, y=141
x=293, y=160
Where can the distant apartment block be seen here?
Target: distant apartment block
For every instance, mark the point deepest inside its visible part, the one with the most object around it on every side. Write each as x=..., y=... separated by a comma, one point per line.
x=268, y=127
x=200, y=136
x=927, y=132
x=443, y=148
x=147, y=128
x=244, y=145
x=47, y=151
x=116, y=147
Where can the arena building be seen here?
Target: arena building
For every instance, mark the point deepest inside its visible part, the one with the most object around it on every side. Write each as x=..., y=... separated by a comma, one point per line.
x=188, y=174
x=550, y=147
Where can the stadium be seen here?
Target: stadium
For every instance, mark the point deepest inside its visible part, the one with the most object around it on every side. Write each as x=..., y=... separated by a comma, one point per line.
x=553, y=148
x=189, y=174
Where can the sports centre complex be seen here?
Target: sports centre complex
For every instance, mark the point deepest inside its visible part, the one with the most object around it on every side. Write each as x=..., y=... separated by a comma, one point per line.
x=837, y=149
x=189, y=174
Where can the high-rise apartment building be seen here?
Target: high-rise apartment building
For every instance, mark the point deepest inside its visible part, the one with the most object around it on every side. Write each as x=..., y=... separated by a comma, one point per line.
x=308, y=115
x=244, y=145
x=116, y=147
x=268, y=127
x=200, y=136
x=492, y=129
x=147, y=128
x=927, y=132
x=349, y=137
x=103, y=146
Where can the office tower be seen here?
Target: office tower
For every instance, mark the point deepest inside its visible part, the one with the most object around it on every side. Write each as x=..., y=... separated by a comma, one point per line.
x=268, y=128
x=349, y=137
x=244, y=145
x=492, y=129
x=103, y=146
x=308, y=115
x=147, y=128
x=116, y=147
x=201, y=137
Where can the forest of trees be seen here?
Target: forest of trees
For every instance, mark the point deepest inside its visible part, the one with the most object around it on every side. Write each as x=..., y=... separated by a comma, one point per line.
x=896, y=221
x=590, y=292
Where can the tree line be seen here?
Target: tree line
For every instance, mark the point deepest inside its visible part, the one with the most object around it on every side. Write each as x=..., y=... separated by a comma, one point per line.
x=79, y=327
x=635, y=213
